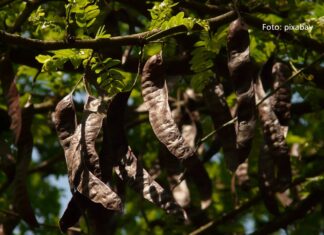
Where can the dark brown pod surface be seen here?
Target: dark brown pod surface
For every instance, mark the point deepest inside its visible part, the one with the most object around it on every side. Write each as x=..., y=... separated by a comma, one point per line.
x=93, y=115
x=11, y=94
x=174, y=171
x=131, y=171
x=155, y=94
x=70, y=216
x=267, y=180
x=274, y=138
x=80, y=178
x=65, y=122
x=240, y=69
x=281, y=99
x=220, y=113
x=21, y=199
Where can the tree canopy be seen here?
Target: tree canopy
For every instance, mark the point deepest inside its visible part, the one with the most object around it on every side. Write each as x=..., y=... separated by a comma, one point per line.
x=163, y=117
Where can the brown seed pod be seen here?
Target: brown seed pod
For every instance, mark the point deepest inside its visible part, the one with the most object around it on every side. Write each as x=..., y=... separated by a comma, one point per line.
x=65, y=122
x=281, y=99
x=125, y=163
x=93, y=115
x=74, y=210
x=267, y=180
x=240, y=69
x=12, y=96
x=274, y=138
x=220, y=114
x=195, y=168
x=131, y=171
x=155, y=95
x=174, y=171
x=114, y=138
x=21, y=199
x=80, y=178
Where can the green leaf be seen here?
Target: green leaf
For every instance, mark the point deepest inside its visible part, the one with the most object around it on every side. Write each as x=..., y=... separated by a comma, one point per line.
x=43, y=58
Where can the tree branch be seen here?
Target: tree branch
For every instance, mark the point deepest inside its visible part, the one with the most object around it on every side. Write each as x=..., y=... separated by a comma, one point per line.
x=292, y=215
x=228, y=216
x=138, y=39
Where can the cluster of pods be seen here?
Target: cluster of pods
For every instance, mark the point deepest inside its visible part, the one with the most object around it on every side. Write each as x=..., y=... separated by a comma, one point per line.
x=90, y=172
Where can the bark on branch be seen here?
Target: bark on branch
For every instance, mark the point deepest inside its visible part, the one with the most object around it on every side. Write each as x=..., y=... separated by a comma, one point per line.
x=138, y=39
x=292, y=215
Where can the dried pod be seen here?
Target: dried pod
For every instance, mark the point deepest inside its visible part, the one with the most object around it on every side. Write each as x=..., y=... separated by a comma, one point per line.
x=174, y=171
x=281, y=99
x=274, y=138
x=131, y=171
x=125, y=163
x=195, y=168
x=220, y=114
x=114, y=138
x=155, y=95
x=267, y=180
x=240, y=69
x=73, y=211
x=93, y=115
x=80, y=178
x=65, y=121
x=21, y=199
x=12, y=96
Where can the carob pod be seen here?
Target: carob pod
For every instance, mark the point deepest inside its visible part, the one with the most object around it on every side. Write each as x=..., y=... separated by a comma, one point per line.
x=280, y=101
x=267, y=180
x=174, y=170
x=220, y=113
x=274, y=139
x=132, y=172
x=65, y=123
x=126, y=165
x=21, y=121
x=12, y=96
x=74, y=210
x=180, y=190
x=197, y=173
x=240, y=70
x=93, y=115
x=155, y=95
x=21, y=199
x=80, y=178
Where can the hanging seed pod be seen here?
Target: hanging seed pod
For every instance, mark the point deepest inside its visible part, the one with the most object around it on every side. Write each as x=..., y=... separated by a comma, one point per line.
x=267, y=180
x=220, y=114
x=80, y=178
x=280, y=101
x=132, y=172
x=93, y=115
x=12, y=96
x=74, y=210
x=274, y=139
x=65, y=121
x=114, y=136
x=21, y=199
x=155, y=95
x=174, y=171
x=240, y=70
x=125, y=163
x=197, y=172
